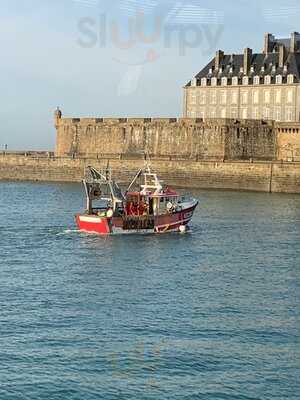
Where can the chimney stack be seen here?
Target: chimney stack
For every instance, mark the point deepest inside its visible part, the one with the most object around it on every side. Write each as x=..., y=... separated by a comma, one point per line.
x=247, y=60
x=218, y=59
x=295, y=39
x=281, y=56
x=269, y=39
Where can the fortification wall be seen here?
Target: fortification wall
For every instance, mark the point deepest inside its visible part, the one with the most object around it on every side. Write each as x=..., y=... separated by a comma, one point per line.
x=256, y=176
x=185, y=137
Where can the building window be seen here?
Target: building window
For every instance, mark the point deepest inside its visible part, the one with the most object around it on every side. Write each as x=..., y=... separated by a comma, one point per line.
x=255, y=113
x=256, y=80
x=266, y=113
x=256, y=97
x=213, y=113
x=244, y=97
x=244, y=113
x=202, y=97
x=290, y=96
x=289, y=114
x=213, y=97
x=234, y=113
x=203, y=82
x=267, y=96
x=290, y=79
x=194, y=82
x=267, y=80
x=252, y=68
x=279, y=79
x=224, y=81
x=235, y=80
x=214, y=81
x=234, y=97
x=193, y=97
x=245, y=80
x=223, y=113
x=278, y=96
x=278, y=114
x=201, y=113
x=223, y=97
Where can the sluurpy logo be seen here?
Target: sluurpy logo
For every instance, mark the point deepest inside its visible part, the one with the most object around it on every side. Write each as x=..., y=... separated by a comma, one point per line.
x=142, y=31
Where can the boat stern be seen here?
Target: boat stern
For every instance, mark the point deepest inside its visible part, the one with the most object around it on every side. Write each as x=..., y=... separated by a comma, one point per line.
x=93, y=224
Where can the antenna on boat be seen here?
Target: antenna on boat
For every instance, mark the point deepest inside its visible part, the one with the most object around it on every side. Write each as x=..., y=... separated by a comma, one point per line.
x=147, y=160
x=107, y=172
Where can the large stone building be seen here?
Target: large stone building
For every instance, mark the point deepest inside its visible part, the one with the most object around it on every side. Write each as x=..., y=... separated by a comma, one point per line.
x=249, y=86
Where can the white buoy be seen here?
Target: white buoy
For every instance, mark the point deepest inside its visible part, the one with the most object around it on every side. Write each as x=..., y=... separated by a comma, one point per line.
x=182, y=228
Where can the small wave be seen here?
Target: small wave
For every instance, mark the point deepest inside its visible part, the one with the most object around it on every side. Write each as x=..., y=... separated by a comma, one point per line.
x=67, y=232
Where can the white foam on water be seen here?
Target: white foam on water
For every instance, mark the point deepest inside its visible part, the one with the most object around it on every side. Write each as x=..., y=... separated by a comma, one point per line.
x=67, y=232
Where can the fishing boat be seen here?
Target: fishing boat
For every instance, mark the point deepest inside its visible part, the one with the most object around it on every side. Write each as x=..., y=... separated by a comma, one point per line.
x=145, y=206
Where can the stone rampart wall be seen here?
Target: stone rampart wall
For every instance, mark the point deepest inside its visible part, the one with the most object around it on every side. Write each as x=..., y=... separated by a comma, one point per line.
x=256, y=176
x=185, y=137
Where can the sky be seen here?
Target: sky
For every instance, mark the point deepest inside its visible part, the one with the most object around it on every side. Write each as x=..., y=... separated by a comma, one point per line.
x=125, y=58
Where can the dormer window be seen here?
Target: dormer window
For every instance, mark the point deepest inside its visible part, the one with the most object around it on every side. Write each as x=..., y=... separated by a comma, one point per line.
x=235, y=80
x=262, y=68
x=252, y=68
x=256, y=80
x=285, y=68
x=203, y=82
x=245, y=80
x=220, y=70
x=214, y=81
x=224, y=81
x=241, y=69
x=290, y=78
x=210, y=70
x=279, y=79
x=231, y=70
x=274, y=68
x=194, y=82
x=267, y=80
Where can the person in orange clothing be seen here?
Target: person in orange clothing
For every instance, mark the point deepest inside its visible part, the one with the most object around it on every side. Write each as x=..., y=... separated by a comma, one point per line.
x=129, y=210
x=141, y=209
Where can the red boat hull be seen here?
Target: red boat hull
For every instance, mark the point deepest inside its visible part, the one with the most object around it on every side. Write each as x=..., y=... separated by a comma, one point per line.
x=162, y=223
x=93, y=223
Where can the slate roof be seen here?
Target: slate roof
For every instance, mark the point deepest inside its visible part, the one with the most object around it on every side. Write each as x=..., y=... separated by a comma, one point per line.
x=292, y=60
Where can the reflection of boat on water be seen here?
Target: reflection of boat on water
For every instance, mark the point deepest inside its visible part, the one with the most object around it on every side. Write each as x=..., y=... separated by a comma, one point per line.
x=146, y=206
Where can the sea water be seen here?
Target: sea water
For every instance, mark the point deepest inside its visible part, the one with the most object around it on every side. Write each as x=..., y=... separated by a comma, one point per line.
x=210, y=314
